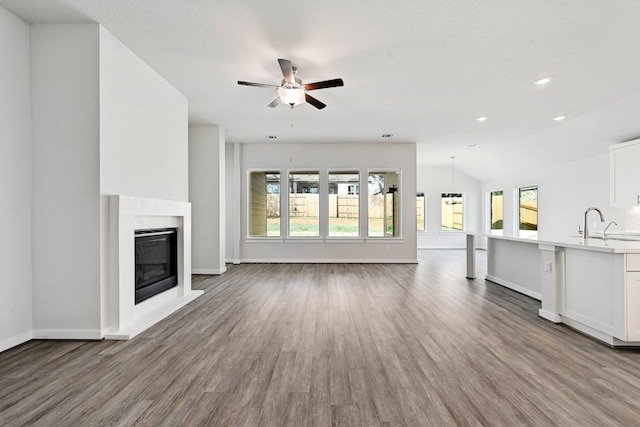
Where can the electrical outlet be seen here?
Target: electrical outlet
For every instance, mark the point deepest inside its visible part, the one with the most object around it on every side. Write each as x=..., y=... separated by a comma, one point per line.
x=547, y=267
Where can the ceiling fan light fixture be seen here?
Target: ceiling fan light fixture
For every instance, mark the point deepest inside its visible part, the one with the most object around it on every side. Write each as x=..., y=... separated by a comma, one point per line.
x=291, y=95
x=292, y=91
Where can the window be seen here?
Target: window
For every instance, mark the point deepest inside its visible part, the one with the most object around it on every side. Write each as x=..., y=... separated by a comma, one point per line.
x=452, y=212
x=264, y=202
x=528, y=208
x=384, y=204
x=304, y=220
x=344, y=204
x=496, y=210
x=421, y=224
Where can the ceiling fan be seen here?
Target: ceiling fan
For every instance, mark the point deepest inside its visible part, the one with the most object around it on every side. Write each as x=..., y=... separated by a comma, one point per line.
x=292, y=91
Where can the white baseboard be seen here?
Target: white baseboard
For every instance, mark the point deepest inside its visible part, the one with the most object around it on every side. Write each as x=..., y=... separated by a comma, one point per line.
x=15, y=340
x=594, y=324
x=515, y=287
x=553, y=317
x=330, y=261
x=216, y=271
x=599, y=335
x=67, y=334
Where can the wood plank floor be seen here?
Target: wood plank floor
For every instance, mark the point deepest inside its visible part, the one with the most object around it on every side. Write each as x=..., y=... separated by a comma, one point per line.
x=342, y=345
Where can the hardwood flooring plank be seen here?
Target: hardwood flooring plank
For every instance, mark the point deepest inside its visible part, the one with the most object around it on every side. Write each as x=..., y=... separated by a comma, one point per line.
x=364, y=405
x=319, y=400
x=339, y=388
x=201, y=414
x=133, y=414
x=328, y=345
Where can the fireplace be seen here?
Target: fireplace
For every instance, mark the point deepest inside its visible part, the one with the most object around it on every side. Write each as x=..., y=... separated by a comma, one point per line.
x=156, y=262
x=130, y=217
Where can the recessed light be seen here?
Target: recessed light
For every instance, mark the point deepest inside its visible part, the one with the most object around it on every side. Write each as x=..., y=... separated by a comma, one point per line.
x=559, y=118
x=543, y=81
x=481, y=118
x=272, y=137
x=473, y=145
x=387, y=135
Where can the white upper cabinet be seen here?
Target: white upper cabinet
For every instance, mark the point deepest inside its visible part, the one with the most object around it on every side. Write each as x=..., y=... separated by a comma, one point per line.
x=624, y=174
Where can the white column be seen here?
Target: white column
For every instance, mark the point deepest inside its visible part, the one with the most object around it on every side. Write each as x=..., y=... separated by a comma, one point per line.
x=235, y=199
x=471, y=256
x=207, y=197
x=552, y=281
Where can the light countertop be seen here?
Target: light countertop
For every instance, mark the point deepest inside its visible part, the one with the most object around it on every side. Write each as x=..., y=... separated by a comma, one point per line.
x=565, y=240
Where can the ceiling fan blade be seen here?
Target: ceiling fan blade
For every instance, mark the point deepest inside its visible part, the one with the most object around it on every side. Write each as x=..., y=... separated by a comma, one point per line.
x=274, y=103
x=240, y=82
x=311, y=100
x=287, y=70
x=324, y=85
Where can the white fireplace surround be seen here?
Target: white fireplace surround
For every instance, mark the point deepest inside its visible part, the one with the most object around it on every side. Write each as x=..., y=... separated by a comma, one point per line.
x=127, y=214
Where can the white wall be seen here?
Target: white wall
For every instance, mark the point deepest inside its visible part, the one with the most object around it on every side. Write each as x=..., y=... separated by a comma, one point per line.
x=433, y=181
x=101, y=116
x=565, y=191
x=632, y=220
x=207, y=195
x=143, y=138
x=143, y=128
x=15, y=181
x=326, y=157
x=66, y=187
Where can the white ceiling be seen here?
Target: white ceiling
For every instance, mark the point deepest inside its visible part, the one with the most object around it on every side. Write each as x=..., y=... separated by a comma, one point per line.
x=422, y=70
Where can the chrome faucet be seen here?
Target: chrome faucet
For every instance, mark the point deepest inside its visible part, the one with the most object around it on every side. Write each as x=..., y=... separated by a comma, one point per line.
x=586, y=230
x=604, y=234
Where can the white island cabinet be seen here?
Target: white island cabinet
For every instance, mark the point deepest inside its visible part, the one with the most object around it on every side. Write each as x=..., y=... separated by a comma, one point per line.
x=624, y=174
x=592, y=286
x=632, y=285
x=592, y=295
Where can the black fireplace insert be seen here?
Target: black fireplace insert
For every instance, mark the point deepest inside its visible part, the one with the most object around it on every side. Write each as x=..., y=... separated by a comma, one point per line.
x=156, y=262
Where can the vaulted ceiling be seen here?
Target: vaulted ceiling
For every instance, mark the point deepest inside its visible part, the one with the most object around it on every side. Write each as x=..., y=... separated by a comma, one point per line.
x=422, y=70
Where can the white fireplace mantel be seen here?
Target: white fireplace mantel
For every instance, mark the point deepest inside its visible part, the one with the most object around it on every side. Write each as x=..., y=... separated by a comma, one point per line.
x=125, y=319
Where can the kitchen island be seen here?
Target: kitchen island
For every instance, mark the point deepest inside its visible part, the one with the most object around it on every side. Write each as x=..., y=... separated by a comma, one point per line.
x=592, y=286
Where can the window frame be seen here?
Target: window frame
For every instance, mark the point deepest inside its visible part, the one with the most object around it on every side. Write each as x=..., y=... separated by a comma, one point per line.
x=464, y=212
x=490, y=209
x=248, y=213
x=517, y=206
x=327, y=220
x=424, y=212
x=287, y=203
x=398, y=192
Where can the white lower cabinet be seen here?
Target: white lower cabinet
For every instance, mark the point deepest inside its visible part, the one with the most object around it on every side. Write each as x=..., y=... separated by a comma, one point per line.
x=632, y=297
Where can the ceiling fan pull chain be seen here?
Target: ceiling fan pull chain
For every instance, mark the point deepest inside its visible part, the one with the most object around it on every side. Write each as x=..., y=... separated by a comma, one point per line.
x=291, y=120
